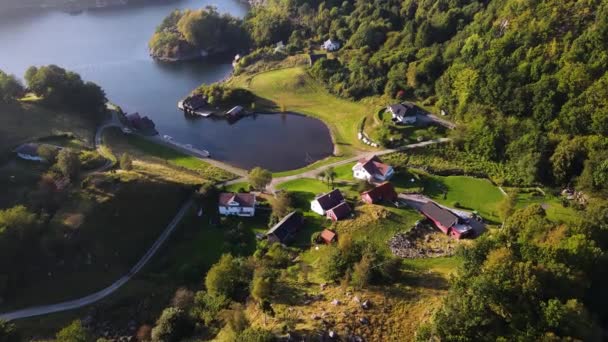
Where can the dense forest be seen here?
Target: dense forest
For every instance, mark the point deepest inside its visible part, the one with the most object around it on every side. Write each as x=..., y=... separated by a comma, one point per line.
x=192, y=33
x=525, y=80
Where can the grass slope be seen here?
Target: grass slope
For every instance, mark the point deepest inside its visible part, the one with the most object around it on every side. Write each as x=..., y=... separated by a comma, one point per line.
x=471, y=193
x=160, y=160
x=293, y=90
x=20, y=122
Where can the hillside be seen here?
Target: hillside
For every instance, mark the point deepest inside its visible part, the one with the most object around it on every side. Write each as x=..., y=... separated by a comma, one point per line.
x=23, y=121
x=521, y=78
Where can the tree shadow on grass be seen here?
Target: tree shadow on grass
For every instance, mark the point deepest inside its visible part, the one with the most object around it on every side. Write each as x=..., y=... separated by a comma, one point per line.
x=420, y=277
x=286, y=293
x=265, y=104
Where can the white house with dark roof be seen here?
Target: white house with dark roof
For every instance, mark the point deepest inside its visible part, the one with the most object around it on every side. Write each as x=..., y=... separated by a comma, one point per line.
x=372, y=170
x=240, y=204
x=403, y=113
x=322, y=203
x=331, y=45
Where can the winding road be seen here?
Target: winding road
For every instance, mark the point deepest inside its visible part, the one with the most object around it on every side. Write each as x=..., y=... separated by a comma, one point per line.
x=99, y=295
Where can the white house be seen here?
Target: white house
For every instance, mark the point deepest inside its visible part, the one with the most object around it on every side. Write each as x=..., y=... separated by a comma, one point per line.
x=402, y=113
x=330, y=45
x=322, y=203
x=29, y=152
x=372, y=170
x=237, y=204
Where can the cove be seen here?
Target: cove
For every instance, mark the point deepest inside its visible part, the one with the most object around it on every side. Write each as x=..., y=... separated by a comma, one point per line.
x=109, y=47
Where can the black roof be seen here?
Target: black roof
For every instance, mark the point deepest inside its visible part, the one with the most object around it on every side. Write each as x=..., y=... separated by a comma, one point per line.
x=288, y=226
x=330, y=199
x=439, y=214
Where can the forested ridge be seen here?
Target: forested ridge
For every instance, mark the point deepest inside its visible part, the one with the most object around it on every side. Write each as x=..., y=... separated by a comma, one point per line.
x=525, y=80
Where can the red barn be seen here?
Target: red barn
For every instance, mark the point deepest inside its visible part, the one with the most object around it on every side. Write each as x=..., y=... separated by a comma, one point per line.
x=445, y=220
x=383, y=192
x=328, y=236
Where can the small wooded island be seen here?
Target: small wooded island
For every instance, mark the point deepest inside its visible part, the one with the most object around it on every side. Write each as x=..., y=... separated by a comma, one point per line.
x=193, y=34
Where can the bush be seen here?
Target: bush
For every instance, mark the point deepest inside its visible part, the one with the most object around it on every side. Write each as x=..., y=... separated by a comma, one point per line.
x=74, y=332
x=315, y=238
x=91, y=160
x=126, y=163
x=456, y=204
x=222, y=95
x=172, y=326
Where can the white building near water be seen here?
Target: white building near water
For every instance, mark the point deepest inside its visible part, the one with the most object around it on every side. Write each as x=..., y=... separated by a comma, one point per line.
x=239, y=204
x=372, y=170
x=330, y=45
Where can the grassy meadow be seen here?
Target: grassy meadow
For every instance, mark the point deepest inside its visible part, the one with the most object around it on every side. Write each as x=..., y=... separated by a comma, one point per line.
x=155, y=159
x=293, y=90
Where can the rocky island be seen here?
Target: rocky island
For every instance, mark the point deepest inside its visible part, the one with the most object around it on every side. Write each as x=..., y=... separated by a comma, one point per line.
x=192, y=34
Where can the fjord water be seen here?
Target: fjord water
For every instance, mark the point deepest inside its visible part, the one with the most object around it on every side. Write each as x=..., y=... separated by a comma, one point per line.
x=109, y=47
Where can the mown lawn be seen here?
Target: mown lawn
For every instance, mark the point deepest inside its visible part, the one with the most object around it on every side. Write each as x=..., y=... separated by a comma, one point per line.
x=556, y=212
x=470, y=193
x=293, y=90
x=313, y=166
x=149, y=151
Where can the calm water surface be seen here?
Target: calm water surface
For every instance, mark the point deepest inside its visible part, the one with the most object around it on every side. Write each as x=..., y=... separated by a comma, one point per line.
x=109, y=47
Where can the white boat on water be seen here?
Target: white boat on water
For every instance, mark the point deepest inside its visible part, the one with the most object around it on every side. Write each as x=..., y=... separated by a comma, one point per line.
x=167, y=137
x=180, y=105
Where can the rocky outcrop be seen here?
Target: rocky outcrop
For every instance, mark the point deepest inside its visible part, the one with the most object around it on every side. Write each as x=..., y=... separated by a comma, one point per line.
x=422, y=242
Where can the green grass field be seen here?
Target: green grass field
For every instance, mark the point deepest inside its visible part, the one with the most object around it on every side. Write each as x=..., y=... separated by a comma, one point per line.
x=151, y=152
x=312, y=166
x=471, y=193
x=293, y=90
x=556, y=212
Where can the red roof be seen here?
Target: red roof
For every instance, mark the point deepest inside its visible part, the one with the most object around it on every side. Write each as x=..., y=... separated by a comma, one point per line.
x=384, y=191
x=374, y=166
x=328, y=236
x=243, y=199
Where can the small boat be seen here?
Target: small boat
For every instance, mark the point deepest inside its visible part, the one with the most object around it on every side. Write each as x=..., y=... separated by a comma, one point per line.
x=167, y=137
